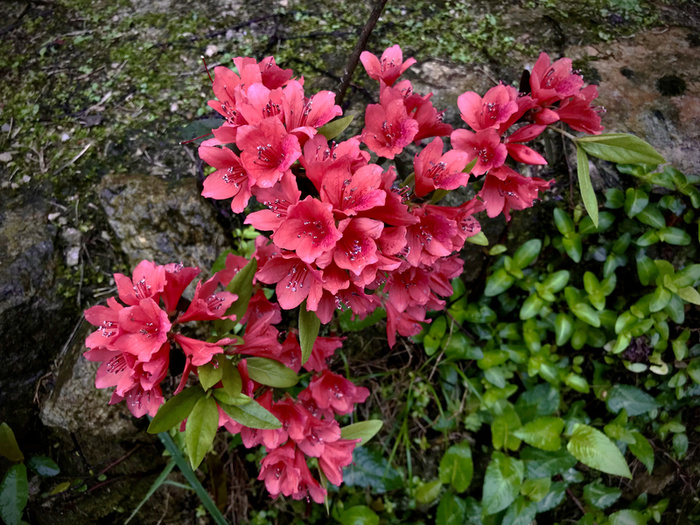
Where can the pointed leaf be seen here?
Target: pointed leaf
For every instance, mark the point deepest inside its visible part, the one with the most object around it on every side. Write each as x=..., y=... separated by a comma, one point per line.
x=14, y=493
x=584, y=181
x=543, y=433
x=43, y=466
x=230, y=378
x=457, y=467
x=527, y=253
x=630, y=398
x=498, y=282
x=620, y=148
x=202, y=425
x=452, y=510
x=210, y=373
x=175, y=410
x=601, y=496
x=358, y=515
x=635, y=201
x=8, y=444
x=309, y=324
x=642, y=450
x=364, y=430
x=252, y=415
x=428, y=492
x=521, y=512
x=504, y=476
x=335, y=127
x=242, y=286
x=594, y=449
x=271, y=373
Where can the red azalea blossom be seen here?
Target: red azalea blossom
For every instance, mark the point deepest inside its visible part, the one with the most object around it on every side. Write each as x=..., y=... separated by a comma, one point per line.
x=433, y=170
x=230, y=178
x=387, y=68
x=495, y=108
x=506, y=190
x=388, y=130
x=484, y=146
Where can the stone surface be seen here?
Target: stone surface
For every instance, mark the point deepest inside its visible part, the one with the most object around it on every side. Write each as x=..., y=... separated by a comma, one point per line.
x=650, y=86
x=161, y=221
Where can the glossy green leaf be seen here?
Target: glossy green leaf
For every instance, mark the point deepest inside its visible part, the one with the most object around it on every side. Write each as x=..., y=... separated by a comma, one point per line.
x=202, y=424
x=527, y=253
x=44, y=466
x=587, y=314
x=230, y=377
x=584, y=181
x=358, y=515
x=660, y=299
x=335, y=127
x=175, y=410
x=531, y=307
x=563, y=222
x=614, y=198
x=594, y=449
x=498, y=282
x=242, y=286
x=646, y=270
x=557, y=281
x=674, y=236
x=210, y=373
x=364, y=430
x=641, y=448
x=428, y=492
x=456, y=466
x=452, y=510
x=200, y=129
x=554, y=497
x=271, y=373
x=370, y=468
x=14, y=493
x=252, y=415
x=536, y=489
x=688, y=276
x=541, y=463
x=8, y=444
x=479, y=239
x=543, y=433
x=648, y=238
x=520, y=512
x=601, y=496
x=563, y=328
x=309, y=324
x=652, y=216
x=620, y=148
x=628, y=517
x=348, y=324
x=504, y=476
x=635, y=201
x=573, y=247
x=632, y=399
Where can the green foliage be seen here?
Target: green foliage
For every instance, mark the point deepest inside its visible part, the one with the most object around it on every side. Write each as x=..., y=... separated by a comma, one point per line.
x=582, y=356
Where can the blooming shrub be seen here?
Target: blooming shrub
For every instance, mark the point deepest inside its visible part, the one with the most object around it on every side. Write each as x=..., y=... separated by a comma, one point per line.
x=344, y=233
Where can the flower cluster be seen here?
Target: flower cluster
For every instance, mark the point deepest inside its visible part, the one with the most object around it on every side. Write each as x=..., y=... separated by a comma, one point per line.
x=345, y=233
x=133, y=339
x=134, y=344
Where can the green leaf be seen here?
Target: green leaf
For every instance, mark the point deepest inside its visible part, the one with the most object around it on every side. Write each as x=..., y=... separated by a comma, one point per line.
x=594, y=449
x=200, y=129
x=627, y=517
x=573, y=247
x=652, y=216
x=542, y=464
x=498, y=282
x=452, y=510
x=531, y=307
x=359, y=515
x=693, y=369
x=631, y=398
x=557, y=281
x=271, y=373
x=587, y=314
x=674, y=236
x=14, y=493
x=614, y=198
x=479, y=239
x=242, y=286
x=202, y=424
x=642, y=450
x=210, y=373
x=536, y=489
x=563, y=222
x=457, y=467
x=45, y=467
x=620, y=148
x=646, y=270
x=428, y=492
x=252, y=415
x=504, y=476
x=584, y=182
x=364, y=430
x=371, y=469
x=230, y=378
x=521, y=512
x=309, y=324
x=335, y=127
x=527, y=253
x=348, y=324
x=175, y=410
x=554, y=497
x=635, y=201
x=543, y=433
x=600, y=496
x=563, y=328
x=660, y=299
x=8, y=444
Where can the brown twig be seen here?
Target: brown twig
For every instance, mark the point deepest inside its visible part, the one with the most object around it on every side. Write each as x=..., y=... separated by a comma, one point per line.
x=361, y=43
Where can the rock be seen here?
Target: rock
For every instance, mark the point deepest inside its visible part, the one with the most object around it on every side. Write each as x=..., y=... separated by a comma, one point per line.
x=160, y=221
x=650, y=86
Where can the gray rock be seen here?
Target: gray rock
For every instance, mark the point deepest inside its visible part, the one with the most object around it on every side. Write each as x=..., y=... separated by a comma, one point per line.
x=160, y=221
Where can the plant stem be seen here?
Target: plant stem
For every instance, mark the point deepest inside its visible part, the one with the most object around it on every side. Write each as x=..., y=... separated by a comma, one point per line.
x=355, y=56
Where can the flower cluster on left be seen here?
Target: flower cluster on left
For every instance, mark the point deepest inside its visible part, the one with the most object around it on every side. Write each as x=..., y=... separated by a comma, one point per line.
x=133, y=340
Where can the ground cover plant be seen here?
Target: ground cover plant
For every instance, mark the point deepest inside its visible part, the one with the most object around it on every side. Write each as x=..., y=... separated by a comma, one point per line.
x=348, y=239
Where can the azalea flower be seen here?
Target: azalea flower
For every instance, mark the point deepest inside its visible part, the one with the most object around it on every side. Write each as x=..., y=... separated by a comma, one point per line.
x=387, y=68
